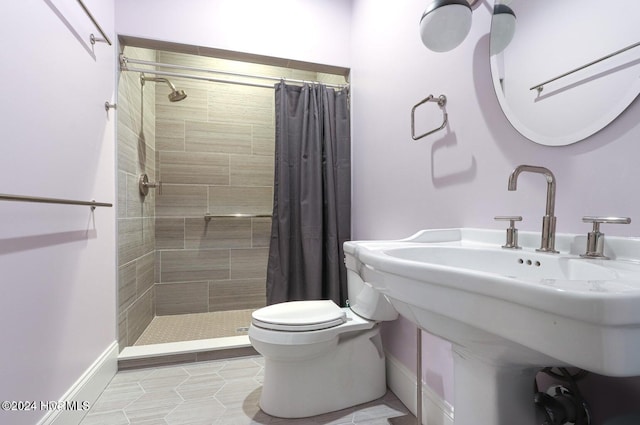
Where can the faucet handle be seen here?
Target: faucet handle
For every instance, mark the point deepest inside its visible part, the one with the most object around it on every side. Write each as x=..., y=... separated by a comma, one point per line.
x=595, y=239
x=144, y=184
x=512, y=232
x=611, y=220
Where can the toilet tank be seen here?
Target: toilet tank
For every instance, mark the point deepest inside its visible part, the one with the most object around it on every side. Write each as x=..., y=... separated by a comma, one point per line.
x=363, y=299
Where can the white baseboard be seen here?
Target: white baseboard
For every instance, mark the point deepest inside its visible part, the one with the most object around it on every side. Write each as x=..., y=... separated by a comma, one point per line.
x=86, y=389
x=435, y=410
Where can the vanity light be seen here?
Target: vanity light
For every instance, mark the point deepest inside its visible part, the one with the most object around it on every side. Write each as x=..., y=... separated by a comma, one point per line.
x=445, y=24
x=503, y=27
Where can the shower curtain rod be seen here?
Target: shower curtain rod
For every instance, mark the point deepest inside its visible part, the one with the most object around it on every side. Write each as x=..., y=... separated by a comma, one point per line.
x=124, y=61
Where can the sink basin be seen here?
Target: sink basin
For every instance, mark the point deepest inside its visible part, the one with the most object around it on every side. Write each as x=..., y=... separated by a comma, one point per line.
x=508, y=263
x=509, y=313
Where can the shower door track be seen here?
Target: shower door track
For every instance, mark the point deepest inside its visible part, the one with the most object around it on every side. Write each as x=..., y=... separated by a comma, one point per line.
x=125, y=61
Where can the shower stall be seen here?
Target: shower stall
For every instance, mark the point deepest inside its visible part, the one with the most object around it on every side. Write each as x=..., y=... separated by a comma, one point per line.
x=195, y=192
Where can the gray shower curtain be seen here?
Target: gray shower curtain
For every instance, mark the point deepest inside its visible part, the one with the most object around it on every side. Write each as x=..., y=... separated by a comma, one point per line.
x=312, y=195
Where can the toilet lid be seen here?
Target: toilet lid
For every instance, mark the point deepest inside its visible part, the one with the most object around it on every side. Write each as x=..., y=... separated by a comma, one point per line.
x=299, y=316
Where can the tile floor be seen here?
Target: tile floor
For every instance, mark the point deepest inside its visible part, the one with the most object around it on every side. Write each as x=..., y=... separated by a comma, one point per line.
x=224, y=392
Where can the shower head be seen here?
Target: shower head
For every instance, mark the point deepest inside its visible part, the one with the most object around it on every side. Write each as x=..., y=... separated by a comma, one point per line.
x=177, y=95
x=174, y=96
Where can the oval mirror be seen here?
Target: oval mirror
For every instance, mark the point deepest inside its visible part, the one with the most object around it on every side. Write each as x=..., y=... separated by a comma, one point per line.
x=553, y=65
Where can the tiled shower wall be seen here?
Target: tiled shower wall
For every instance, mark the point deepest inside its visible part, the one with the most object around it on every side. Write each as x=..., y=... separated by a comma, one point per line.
x=136, y=240
x=215, y=155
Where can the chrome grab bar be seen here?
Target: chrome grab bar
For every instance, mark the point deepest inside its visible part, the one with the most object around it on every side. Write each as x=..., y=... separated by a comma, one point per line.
x=20, y=198
x=96, y=24
x=208, y=216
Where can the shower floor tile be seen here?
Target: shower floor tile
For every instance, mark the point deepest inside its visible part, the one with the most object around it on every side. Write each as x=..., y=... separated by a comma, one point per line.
x=188, y=327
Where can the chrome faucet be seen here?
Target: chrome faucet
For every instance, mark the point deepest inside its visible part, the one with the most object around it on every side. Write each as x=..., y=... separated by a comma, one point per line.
x=548, y=241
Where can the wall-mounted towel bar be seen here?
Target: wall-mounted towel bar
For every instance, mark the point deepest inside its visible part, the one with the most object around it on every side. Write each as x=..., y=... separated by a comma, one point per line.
x=20, y=198
x=442, y=101
x=540, y=86
x=92, y=37
x=208, y=216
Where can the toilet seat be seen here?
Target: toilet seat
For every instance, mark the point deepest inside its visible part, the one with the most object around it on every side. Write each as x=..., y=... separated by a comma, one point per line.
x=299, y=316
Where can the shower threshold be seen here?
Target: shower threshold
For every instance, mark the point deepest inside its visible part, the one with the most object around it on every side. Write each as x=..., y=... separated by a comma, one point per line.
x=167, y=353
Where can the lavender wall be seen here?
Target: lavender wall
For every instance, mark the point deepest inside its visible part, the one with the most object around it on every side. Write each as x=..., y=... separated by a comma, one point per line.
x=57, y=262
x=301, y=30
x=458, y=177
x=425, y=181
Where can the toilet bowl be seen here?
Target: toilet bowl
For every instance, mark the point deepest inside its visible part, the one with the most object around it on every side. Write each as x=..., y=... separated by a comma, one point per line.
x=319, y=357
x=322, y=367
x=314, y=371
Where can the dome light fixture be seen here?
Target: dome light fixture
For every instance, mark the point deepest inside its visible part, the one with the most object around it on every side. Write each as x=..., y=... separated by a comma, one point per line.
x=445, y=24
x=503, y=28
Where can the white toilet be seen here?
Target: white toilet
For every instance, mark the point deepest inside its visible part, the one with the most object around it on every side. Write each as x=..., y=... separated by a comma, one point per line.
x=319, y=357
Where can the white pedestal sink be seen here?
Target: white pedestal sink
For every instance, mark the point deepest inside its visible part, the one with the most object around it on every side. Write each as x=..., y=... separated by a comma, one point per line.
x=509, y=313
